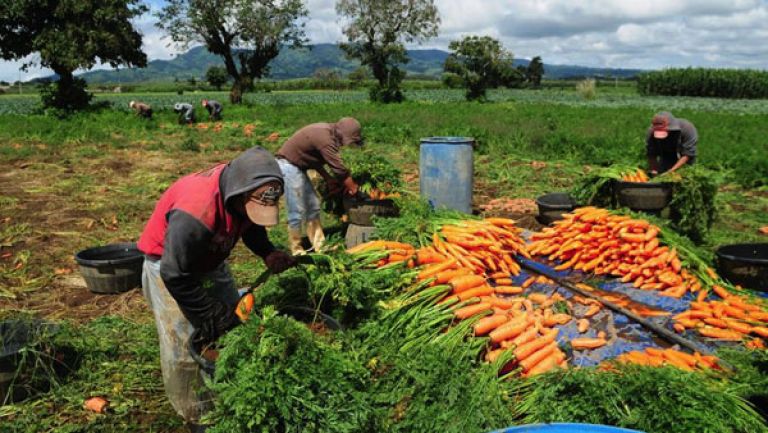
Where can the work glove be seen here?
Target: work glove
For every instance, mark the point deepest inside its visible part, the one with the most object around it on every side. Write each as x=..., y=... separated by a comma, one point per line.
x=213, y=325
x=350, y=186
x=278, y=261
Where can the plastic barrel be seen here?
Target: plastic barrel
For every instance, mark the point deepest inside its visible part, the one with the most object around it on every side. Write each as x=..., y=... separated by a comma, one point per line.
x=445, y=172
x=114, y=268
x=565, y=428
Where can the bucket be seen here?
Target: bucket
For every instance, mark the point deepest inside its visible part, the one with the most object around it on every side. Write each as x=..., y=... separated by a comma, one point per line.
x=643, y=196
x=565, y=428
x=114, y=268
x=552, y=206
x=744, y=264
x=446, y=172
x=361, y=212
x=358, y=234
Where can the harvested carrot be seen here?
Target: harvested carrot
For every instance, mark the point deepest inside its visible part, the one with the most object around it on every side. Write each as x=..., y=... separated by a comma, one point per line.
x=536, y=357
x=527, y=336
x=547, y=364
x=508, y=290
x=538, y=298
x=480, y=291
x=592, y=310
x=503, y=281
x=557, y=319
x=435, y=269
x=527, y=283
x=472, y=310
x=465, y=282
x=447, y=275
x=511, y=329
x=721, y=334
x=583, y=343
x=96, y=404
x=582, y=325
x=525, y=350
x=761, y=331
x=488, y=324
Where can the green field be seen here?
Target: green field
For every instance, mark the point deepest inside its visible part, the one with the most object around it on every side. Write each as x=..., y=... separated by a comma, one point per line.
x=93, y=178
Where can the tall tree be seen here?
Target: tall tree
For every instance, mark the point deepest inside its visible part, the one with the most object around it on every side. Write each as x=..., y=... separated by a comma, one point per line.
x=216, y=76
x=71, y=34
x=247, y=34
x=535, y=71
x=377, y=32
x=481, y=62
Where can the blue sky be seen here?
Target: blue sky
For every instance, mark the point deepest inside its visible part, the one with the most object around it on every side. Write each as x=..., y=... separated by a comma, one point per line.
x=608, y=33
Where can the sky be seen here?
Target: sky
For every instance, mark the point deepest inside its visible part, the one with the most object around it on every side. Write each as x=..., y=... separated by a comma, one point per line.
x=648, y=34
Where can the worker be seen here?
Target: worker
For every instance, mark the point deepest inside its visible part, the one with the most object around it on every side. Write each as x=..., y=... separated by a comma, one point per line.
x=214, y=109
x=186, y=113
x=186, y=280
x=313, y=147
x=670, y=143
x=141, y=109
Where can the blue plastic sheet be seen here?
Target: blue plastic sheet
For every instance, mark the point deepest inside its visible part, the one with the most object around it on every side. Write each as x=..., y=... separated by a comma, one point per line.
x=623, y=334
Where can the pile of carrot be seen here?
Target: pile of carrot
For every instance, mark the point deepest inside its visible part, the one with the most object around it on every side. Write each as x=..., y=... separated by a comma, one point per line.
x=733, y=318
x=637, y=176
x=594, y=240
x=654, y=357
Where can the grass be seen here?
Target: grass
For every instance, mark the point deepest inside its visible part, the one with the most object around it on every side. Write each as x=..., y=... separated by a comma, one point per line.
x=93, y=178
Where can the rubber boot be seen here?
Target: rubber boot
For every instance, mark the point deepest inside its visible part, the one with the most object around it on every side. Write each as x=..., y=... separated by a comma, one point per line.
x=315, y=234
x=294, y=238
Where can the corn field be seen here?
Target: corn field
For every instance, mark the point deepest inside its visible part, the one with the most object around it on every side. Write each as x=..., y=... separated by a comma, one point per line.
x=719, y=83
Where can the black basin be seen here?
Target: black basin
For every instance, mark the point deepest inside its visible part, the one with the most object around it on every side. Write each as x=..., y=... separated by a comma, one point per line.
x=361, y=212
x=643, y=196
x=114, y=268
x=744, y=264
x=552, y=206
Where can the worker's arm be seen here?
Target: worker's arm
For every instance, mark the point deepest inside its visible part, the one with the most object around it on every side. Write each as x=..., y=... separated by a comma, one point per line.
x=689, y=139
x=256, y=239
x=186, y=242
x=680, y=162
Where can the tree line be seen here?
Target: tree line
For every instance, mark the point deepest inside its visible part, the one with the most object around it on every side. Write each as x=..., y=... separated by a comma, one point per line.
x=70, y=35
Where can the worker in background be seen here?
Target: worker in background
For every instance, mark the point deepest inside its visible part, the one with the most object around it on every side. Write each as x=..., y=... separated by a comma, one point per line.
x=186, y=113
x=141, y=109
x=186, y=280
x=313, y=147
x=670, y=143
x=214, y=109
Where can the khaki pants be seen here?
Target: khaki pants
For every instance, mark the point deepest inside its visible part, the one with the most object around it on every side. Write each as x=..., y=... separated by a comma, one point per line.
x=182, y=377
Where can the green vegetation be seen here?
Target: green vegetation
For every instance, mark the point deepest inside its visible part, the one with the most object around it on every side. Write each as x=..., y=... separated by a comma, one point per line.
x=482, y=62
x=720, y=83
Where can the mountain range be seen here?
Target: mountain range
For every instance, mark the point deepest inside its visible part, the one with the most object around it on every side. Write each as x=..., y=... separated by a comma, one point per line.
x=302, y=63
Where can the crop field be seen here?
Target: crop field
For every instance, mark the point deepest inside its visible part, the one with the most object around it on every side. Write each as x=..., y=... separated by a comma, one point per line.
x=93, y=178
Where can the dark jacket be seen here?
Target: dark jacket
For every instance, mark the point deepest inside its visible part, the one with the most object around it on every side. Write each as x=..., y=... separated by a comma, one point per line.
x=318, y=144
x=194, y=227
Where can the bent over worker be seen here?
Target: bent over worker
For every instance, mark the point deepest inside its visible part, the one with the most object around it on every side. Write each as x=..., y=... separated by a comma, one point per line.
x=141, y=109
x=214, y=109
x=313, y=147
x=186, y=280
x=670, y=143
x=186, y=112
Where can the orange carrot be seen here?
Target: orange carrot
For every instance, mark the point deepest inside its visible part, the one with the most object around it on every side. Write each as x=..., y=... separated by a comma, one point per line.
x=488, y=324
x=538, y=298
x=511, y=329
x=435, y=269
x=525, y=350
x=761, y=331
x=592, y=310
x=582, y=343
x=721, y=334
x=508, y=290
x=582, y=325
x=528, y=282
x=471, y=310
x=547, y=364
x=527, y=336
x=503, y=281
x=479, y=291
x=465, y=282
x=537, y=356
x=445, y=276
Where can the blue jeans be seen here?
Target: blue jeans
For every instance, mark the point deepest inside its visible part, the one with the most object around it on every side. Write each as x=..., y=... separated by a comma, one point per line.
x=300, y=197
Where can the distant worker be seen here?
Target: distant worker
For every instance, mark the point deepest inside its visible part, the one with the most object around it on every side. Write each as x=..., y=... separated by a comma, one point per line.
x=313, y=147
x=670, y=143
x=186, y=281
x=141, y=109
x=186, y=113
x=214, y=109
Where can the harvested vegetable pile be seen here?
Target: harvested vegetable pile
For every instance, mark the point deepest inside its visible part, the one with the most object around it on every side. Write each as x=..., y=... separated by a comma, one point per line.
x=692, y=209
x=446, y=333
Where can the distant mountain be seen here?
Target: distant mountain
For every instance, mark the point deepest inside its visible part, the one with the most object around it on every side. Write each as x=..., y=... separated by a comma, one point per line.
x=301, y=63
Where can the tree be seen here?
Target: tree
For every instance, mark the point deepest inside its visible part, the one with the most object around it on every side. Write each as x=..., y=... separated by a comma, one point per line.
x=216, y=76
x=535, y=71
x=245, y=32
x=377, y=32
x=481, y=62
x=358, y=76
x=68, y=35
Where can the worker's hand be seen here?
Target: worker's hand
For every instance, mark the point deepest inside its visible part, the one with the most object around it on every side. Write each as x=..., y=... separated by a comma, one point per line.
x=653, y=173
x=278, y=261
x=350, y=186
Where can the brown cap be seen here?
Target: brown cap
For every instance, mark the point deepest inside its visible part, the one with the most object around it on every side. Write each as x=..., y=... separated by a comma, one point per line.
x=261, y=204
x=660, y=126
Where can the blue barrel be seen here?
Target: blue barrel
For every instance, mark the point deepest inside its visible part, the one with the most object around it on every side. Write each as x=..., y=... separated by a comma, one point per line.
x=445, y=172
x=565, y=428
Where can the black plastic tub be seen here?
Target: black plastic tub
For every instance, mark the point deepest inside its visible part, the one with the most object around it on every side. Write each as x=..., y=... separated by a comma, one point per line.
x=643, y=196
x=552, y=206
x=26, y=365
x=114, y=268
x=744, y=264
x=302, y=314
x=361, y=212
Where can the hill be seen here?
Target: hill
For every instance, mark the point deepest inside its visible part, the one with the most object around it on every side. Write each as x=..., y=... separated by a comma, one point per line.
x=301, y=63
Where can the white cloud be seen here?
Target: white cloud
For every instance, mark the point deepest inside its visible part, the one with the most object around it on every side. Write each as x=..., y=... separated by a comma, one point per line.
x=612, y=33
